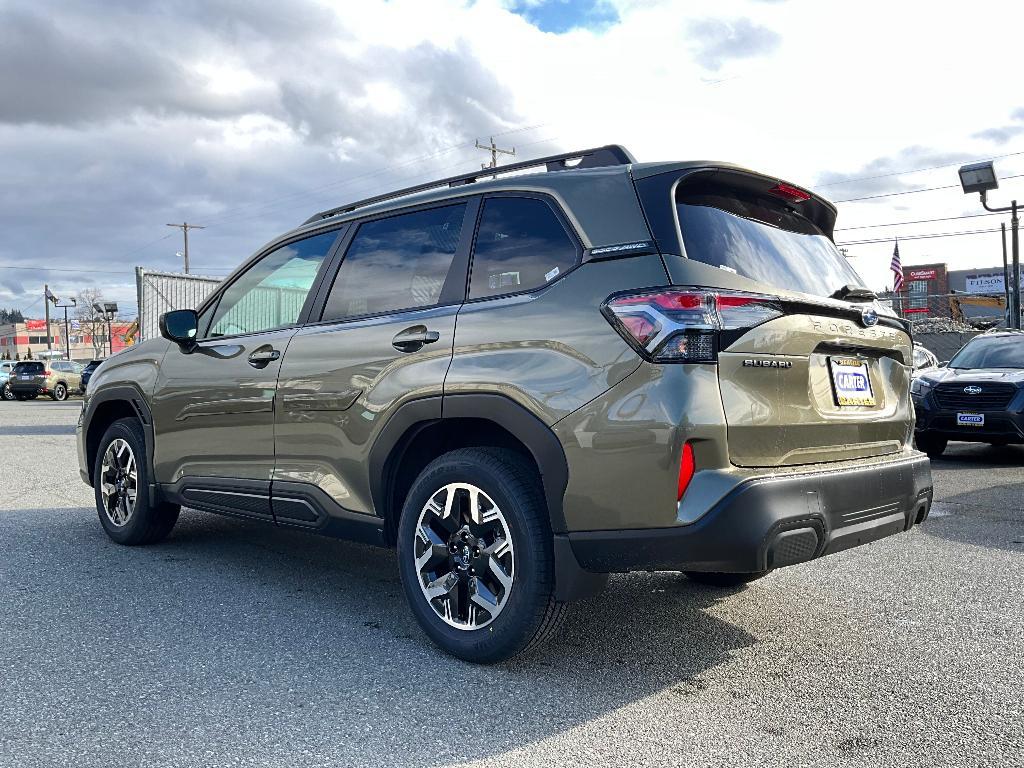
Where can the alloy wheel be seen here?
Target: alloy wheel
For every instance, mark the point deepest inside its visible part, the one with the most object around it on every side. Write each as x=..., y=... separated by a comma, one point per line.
x=119, y=481
x=464, y=556
x=60, y=392
x=8, y=394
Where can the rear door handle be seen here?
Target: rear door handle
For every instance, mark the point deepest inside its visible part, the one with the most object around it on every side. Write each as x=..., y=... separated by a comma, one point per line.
x=263, y=357
x=414, y=338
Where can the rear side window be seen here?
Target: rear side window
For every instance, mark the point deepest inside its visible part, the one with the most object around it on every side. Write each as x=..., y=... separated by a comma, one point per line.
x=521, y=245
x=761, y=240
x=400, y=262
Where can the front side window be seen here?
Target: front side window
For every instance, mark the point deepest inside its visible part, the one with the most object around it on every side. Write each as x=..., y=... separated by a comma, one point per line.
x=521, y=245
x=272, y=292
x=400, y=262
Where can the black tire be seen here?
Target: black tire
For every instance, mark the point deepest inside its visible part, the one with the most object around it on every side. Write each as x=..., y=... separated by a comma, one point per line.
x=146, y=523
x=60, y=392
x=724, y=580
x=530, y=613
x=20, y=398
x=930, y=444
x=7, y=394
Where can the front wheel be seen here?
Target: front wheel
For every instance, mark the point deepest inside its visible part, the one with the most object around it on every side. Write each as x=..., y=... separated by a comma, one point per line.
x=121, y=482
x=60, y=392
x=930, y=444
x=475, y=555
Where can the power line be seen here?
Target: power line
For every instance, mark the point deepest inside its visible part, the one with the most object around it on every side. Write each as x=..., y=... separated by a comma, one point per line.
x=928, y=236
x=918, y=221
x=913, y=191
x=912, y=170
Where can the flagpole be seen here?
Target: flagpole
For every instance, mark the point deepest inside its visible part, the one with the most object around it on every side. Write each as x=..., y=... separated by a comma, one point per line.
x=46, y=303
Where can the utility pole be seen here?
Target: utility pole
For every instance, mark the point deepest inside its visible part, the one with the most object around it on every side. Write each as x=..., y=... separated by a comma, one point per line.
x=185, y=227
x=67, y=330
x=494, y=149
x=46, y=303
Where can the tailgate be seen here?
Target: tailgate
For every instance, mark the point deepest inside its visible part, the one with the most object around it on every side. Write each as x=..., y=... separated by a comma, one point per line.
x=806, y=388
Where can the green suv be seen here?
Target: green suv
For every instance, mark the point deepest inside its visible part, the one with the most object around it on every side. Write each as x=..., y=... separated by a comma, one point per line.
x=528, y=381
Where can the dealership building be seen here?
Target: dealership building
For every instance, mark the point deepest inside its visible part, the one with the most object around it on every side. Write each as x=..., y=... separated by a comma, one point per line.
x=17, y=339
x=927, y=287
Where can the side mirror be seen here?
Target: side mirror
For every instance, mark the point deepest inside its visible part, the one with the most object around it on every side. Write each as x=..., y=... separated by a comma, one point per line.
x=180, y=326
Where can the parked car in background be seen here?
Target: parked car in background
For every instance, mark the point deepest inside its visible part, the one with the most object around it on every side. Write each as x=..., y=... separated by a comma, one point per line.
x=978, y=397
x=924, y=360
x=6, y=366
x=87, y=372
x=656, y=366
x=56, y=378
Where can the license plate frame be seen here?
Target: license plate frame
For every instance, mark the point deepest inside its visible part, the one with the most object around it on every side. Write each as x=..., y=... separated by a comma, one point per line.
x=851, y=382
x=968, y=419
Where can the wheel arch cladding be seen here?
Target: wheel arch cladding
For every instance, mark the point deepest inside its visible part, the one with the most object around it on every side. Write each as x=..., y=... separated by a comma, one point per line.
x=417, y=433
x=104, y=409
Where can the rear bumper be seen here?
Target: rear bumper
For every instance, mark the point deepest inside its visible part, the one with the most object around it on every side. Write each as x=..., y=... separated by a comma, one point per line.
x=768, y=523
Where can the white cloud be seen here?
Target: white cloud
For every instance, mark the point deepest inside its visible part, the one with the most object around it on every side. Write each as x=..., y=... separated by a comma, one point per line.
x=250, y=117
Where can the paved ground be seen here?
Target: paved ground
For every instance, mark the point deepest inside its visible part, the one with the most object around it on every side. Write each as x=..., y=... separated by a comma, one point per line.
x=233, y=644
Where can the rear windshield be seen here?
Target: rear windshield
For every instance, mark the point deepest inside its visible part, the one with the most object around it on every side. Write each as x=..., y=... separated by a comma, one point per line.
x=993, y=352
x=29, y=367
x=763, y=241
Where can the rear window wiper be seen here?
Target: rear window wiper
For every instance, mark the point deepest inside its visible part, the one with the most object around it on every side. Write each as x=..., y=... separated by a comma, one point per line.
x=853, y=293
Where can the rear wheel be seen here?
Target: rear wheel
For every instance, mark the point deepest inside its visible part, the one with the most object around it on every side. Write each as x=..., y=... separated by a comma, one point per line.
x=121, y=482
x=930, y=444
x=60, y=392
x=6, y=393
x=713, y=579
x=475, y=555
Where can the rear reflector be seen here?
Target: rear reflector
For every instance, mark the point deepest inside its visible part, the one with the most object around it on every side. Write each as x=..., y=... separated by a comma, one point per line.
x=681, y=325
x=790, y=193
x=685, y=470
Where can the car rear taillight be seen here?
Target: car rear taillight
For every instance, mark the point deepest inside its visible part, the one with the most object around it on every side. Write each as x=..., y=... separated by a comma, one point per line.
x=47, y=374
x=789, y=193
x=682, y=325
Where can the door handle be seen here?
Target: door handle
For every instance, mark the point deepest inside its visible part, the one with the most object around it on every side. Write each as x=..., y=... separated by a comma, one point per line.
x=261, y=358
x=413, y=338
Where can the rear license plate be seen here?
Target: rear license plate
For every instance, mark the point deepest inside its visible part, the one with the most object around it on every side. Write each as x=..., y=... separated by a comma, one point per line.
x=25, y=377
x=970, y=419
x=850, y=381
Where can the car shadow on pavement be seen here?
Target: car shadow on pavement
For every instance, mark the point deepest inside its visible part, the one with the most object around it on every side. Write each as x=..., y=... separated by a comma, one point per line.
x=998, y=523
x=980, y=455
x=244, y=632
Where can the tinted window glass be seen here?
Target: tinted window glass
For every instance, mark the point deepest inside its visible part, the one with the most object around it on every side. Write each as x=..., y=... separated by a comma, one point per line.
x=396, y=263
x=32, y=367
x=993, y=352
x=271, y=293
x=764, y=242
x=521, y=245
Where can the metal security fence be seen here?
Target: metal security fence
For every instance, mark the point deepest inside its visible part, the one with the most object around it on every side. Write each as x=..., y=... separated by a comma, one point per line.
x=160, y=292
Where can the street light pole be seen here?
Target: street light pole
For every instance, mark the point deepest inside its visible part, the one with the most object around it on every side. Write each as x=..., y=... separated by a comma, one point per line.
x=1014, y=303
x=67, y=330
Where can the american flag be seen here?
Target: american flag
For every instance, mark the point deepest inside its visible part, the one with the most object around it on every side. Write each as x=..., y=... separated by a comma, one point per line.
x=897, y=269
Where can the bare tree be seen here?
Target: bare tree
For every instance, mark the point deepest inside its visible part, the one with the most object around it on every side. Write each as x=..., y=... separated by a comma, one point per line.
x=90, y=321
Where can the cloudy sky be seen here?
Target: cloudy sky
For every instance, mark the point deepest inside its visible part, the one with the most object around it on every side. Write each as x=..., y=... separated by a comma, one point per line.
x=120, y=116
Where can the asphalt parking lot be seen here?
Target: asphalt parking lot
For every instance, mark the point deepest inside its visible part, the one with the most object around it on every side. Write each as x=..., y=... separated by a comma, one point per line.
x=235, y=644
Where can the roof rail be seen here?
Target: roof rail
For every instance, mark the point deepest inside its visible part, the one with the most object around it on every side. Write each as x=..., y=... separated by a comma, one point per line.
x=610, y=154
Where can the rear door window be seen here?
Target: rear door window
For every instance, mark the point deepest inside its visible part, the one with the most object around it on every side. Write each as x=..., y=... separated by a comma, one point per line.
x=400, y=262
x=520, y=245
x=761, y=240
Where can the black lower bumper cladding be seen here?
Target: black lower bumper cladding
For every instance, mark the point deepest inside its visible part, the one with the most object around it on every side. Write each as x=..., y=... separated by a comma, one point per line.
x=772, y=522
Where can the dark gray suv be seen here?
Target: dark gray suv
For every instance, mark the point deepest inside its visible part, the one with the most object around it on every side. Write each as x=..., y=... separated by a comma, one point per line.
x=527, y=382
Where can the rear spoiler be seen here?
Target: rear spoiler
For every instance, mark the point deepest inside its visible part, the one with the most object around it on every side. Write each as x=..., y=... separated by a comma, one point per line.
x=657, y=196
